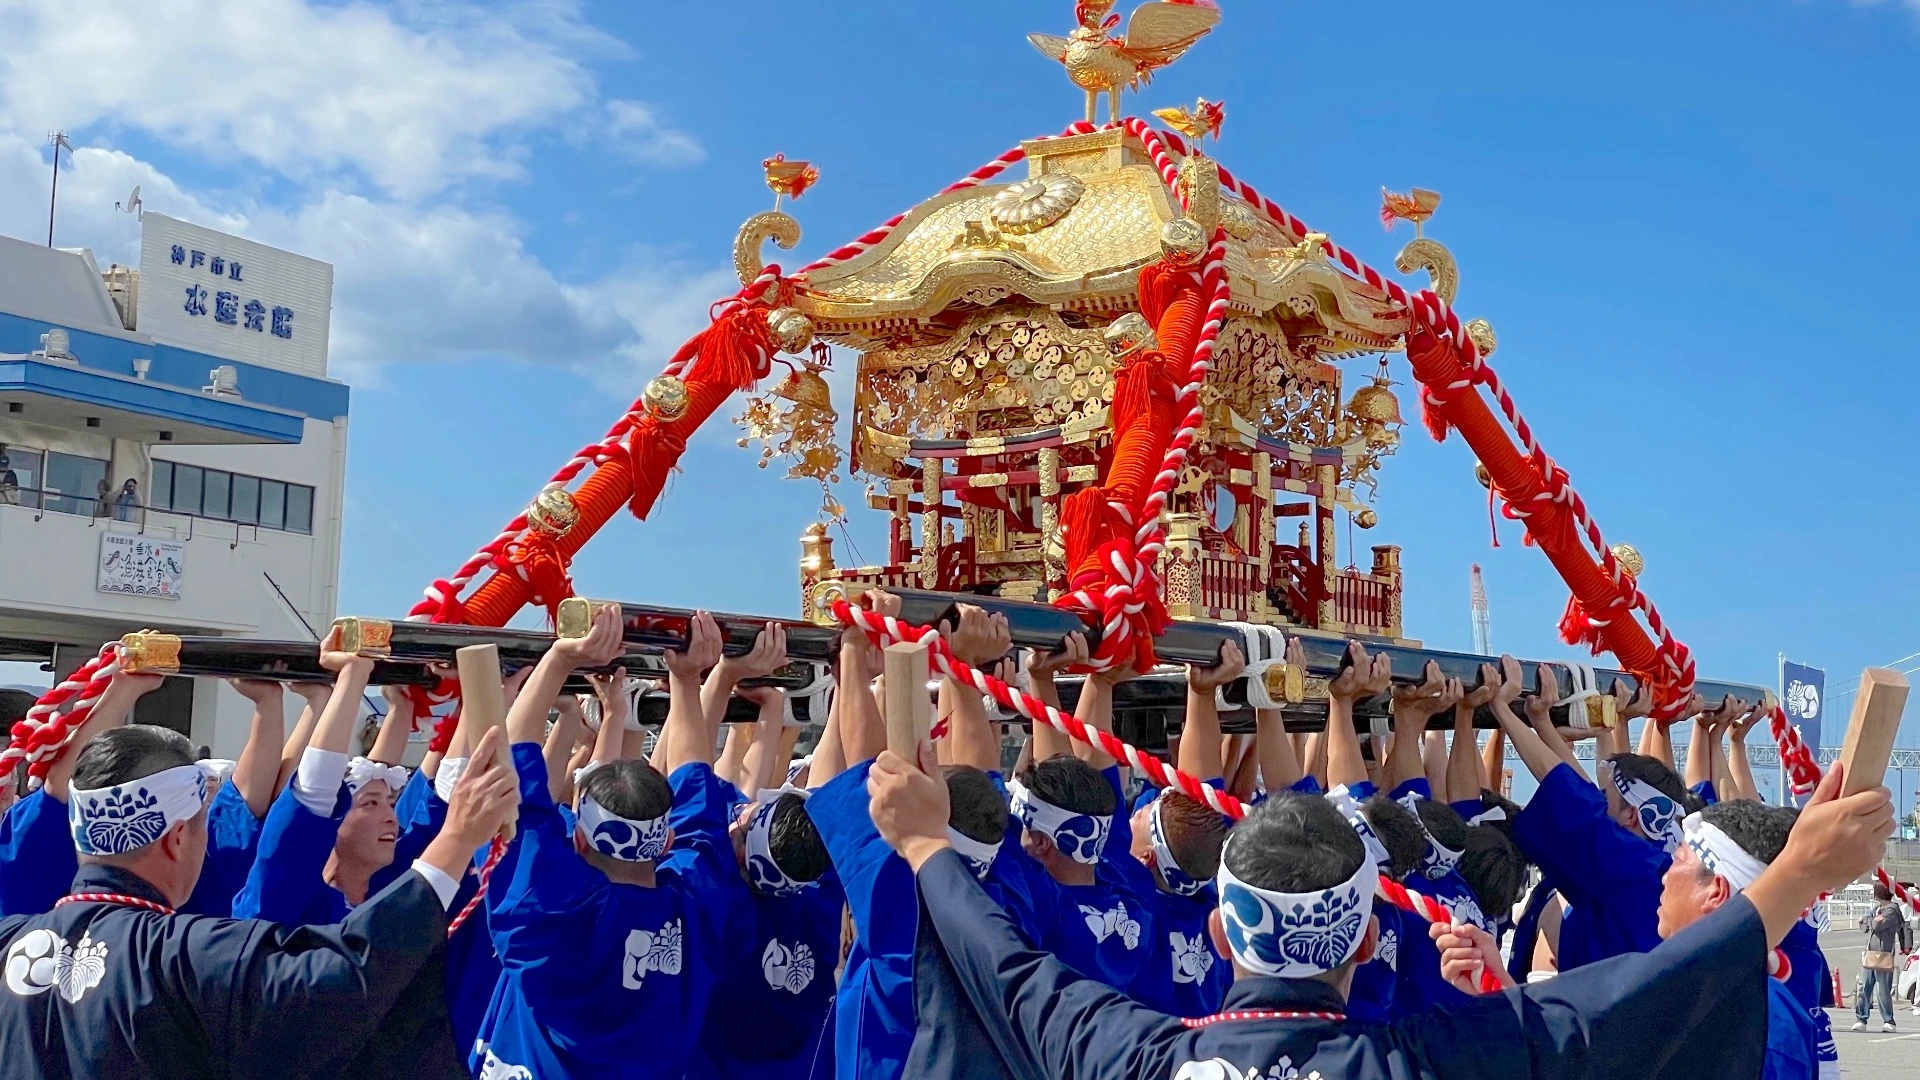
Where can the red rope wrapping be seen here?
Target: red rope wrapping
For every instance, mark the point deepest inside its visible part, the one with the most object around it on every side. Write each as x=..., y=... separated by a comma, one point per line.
x=886, y=630
x=39, y=737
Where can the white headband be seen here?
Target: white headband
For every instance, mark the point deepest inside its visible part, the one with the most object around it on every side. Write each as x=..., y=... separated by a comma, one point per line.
x=128, y=817
x=1719, y=854
x=1438, y=859
x=623, y=838
x=218, y=768
x=363, y=771
x=1178, y=881
x=449, y=773
x=1349, y=808
x=1659, y=815
x=1079, y=837
x=762, y=872
x=1295, y=935
x=978, y=853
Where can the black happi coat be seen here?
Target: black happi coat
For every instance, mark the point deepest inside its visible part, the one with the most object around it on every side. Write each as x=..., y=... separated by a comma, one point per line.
x=108, y=991
x=1693, y=1009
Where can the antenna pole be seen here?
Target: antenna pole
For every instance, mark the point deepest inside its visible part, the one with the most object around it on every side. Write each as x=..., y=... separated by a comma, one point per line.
x=58, y=139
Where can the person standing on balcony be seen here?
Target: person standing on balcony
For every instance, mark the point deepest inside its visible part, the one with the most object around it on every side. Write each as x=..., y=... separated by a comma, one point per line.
x=1887, y=942
x=129, y=502
x=103, y=499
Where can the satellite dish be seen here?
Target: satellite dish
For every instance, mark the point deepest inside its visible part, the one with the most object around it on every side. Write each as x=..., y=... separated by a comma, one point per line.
x=132, y=205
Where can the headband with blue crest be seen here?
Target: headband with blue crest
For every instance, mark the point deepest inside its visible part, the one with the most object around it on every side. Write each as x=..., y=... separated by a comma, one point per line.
x=978, y=853
x=1176, y=879
x=1438, y=859
x=1349, y=807
x=623, y=838
x=1659, y=815
x=129, y=816
x=1295, y=935
x=1080, y=837
x=762, y=872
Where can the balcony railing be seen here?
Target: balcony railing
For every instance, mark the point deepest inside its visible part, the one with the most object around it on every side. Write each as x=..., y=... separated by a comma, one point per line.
x=167, y=524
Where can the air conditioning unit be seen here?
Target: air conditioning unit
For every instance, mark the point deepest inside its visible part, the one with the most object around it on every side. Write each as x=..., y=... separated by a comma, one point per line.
x=55, y=345
x=222, y=381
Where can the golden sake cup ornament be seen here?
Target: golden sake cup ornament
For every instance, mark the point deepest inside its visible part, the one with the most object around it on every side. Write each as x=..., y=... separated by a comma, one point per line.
x=1183, y=242
x=1129, y=334
x=789, y=179
x=552, y=512
x=792, y=331
x=665, y=399
x=1629, y=558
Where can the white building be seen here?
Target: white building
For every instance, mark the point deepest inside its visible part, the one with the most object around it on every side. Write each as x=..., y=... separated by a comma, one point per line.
x=200, y=377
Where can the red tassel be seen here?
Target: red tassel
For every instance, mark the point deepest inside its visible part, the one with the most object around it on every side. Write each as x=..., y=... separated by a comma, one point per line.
x=1577, y=629
x=1493, y=520
x=539, y=557
x=443, y=731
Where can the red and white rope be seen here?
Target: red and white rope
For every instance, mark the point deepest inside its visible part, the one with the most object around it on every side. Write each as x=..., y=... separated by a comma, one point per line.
x=114, y=898
x=886, y=630
x=1803, y=775
x=45, y=731
x=1436, y=313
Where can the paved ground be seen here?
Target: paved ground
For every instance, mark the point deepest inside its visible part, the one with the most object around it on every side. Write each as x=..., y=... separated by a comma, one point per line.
x=1870, y=1054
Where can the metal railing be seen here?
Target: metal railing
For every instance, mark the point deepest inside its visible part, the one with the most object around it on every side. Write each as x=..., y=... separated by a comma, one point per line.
x=173, y=524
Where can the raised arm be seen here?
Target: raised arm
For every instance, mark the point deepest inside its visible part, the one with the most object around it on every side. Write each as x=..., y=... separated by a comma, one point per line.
x=616, y=705
x=1463, y=757
x=1656, y=739
x=256, y=773
x=1200, y=735
x=1043, y=741
x=1539, y=709
x=768, y=655
x=829, y=757
x=1704, y=762
x=527, y=716
x=863, y=728
x=1095, y=709
x=685, y=738
x=111, y=711
x=1493, y=760
x=1365, y=678
x=1279, y=767
x=1539, y=758
x=569, y=724
x=1412, y=707
x=390, y=746
x=980, y=640
x=763, y=755
x=1739, y=766
x=315, y=696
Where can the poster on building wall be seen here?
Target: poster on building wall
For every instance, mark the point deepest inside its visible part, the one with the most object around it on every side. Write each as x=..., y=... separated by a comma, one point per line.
x=219, y=294
x=139, y=566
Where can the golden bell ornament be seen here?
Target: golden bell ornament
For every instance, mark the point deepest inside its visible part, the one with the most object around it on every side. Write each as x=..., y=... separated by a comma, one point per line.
x=665, y=399
x=792, y=331
x=1629, y=558
x=1481, y=474
x=1366, y=519
x=552, y=512
x=1183, y=242
x=805, y=387
x=1483, y=337
x=1129, y=334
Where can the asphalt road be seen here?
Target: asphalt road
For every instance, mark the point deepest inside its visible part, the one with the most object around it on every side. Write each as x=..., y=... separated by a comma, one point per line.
x=1869, y=1054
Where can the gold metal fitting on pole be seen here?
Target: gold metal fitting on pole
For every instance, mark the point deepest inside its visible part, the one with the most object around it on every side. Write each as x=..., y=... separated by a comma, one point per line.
x=150, y=652
x=365, y=637
x=1286, y=682
x=575, y=617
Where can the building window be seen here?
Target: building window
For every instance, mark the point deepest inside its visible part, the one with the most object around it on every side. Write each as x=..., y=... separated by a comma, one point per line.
x=216, y=493
x=273, y=504
x=186, y=488
x=299, y=508
x=213, y=498
x=73, y=483
x=246, y=498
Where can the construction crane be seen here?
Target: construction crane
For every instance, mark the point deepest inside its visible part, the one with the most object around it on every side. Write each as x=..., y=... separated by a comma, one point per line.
x=1482, y=622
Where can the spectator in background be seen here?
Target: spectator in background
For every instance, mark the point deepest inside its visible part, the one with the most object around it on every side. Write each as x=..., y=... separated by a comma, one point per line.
x=369, y=732
x=129, y=501
x=102, y=499
x=10, y=488
x=1887, y=942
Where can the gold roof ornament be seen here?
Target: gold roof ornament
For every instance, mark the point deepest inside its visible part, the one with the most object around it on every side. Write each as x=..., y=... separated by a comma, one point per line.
x=789, y=178
x=1129, y=334
x=802, y=432
x=1034, y=204
x=1196, y=123
x=1158, y=33
x=1417, y=206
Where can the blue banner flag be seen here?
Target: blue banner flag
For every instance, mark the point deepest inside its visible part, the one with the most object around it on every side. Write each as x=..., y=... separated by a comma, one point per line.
x=1803, y=694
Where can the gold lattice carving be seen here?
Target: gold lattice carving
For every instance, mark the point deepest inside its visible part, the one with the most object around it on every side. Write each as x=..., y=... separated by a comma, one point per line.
x=1260, y=377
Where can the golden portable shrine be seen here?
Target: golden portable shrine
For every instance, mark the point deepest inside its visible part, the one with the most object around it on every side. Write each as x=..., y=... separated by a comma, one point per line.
x=1124, y=388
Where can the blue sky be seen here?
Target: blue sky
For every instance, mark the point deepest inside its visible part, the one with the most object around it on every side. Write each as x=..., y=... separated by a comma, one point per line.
x=1692, y=224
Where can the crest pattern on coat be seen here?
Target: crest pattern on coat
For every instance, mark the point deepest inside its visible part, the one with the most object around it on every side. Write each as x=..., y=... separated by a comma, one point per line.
x=41, y=961
x=787, y=969
x=649, y=950
x=1114, y=920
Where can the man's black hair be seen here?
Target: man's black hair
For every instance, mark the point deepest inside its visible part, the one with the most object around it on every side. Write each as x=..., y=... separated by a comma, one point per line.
x=1881, y=892
x=1194, y=832
x=1494, y=869
x=794, y=842
x=631, y=789
x=1071, y=784
x=974, y=805
x=1493, y=800
x=1656, y=775
x=1294, y=843
x=125, y=754
x=1399, y=832
x=1759, y=829
x=1443, y=823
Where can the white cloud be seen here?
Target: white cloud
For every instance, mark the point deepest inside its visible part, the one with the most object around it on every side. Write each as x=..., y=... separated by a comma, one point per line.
x=633, y=128
x=414, y=97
